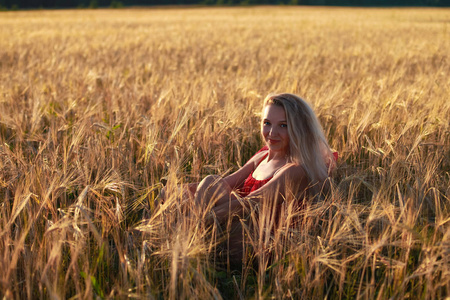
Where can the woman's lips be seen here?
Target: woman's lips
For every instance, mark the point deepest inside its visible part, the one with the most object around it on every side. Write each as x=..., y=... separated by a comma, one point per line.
x=271, y=141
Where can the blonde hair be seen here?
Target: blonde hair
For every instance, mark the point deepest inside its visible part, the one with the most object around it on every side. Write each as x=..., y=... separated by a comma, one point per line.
x=308, y=146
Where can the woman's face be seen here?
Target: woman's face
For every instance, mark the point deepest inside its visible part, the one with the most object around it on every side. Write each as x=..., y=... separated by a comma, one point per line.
x=274, y=128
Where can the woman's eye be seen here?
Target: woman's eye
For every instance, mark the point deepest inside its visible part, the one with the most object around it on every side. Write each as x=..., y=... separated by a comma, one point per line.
x=266, y=123
x=283, y=125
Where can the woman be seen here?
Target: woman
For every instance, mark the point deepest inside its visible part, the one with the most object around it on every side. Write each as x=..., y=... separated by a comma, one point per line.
x=296, y=160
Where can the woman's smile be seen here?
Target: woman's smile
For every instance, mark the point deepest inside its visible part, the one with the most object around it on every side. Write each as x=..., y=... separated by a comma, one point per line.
x=272, y=141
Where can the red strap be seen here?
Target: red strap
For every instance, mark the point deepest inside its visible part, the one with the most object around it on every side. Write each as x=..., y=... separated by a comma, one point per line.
x=335, y=155
x=263, y=148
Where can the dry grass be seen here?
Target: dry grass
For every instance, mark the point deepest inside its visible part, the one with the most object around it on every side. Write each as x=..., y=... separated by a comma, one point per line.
x=98, y=106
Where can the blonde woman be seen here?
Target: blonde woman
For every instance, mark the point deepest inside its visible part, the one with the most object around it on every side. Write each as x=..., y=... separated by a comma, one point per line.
x=296, y=160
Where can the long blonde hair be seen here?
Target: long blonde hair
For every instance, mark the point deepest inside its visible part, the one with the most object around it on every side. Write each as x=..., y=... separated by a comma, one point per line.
x=308, y=146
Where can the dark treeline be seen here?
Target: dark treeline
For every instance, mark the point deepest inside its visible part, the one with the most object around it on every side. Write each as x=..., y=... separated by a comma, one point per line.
x=30, y=4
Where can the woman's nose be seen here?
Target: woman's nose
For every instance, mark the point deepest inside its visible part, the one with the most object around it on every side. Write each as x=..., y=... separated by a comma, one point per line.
x=273, y=131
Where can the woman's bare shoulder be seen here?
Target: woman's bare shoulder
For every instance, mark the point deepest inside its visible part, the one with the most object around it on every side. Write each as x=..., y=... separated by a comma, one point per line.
x=257, y=158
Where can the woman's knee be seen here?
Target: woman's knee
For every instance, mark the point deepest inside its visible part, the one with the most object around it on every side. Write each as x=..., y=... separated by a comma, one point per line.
x=209, y=181
x=212, y=186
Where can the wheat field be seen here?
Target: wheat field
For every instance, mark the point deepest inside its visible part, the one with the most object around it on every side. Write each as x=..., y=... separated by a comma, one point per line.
x=99, y=108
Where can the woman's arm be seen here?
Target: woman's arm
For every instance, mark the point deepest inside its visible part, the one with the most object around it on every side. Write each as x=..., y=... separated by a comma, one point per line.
x=236, y=180
x=289, y=179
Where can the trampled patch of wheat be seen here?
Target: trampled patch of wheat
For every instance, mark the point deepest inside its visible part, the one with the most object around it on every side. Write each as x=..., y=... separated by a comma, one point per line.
x=98, y=107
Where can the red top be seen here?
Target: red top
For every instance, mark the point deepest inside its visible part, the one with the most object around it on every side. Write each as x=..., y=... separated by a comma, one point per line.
x=335, y=156
x=251, y=184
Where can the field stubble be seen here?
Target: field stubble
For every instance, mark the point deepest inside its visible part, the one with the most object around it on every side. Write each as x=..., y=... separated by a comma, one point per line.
x=97, y=107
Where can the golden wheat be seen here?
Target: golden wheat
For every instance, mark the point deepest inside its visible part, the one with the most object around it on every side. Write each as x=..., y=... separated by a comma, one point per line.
x=99, y=107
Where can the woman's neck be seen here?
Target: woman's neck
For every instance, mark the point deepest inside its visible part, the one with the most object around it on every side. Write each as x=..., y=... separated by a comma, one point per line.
x=277, y=156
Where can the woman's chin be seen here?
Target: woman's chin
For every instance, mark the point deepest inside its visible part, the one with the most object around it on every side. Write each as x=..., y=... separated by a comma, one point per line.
x=275, y=147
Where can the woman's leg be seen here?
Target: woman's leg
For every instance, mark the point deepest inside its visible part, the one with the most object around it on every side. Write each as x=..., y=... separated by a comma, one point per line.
x=212, y=190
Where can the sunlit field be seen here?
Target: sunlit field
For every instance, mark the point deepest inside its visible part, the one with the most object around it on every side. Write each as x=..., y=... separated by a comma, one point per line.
x=100, y=108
